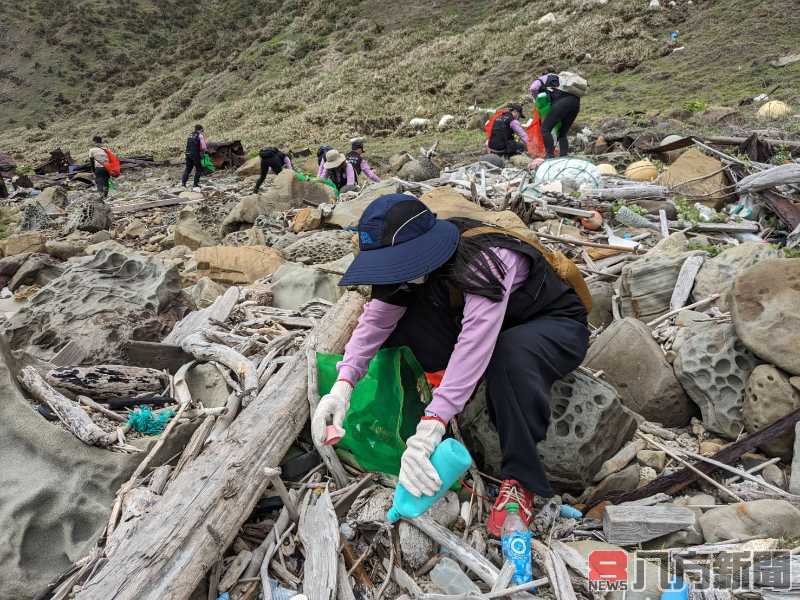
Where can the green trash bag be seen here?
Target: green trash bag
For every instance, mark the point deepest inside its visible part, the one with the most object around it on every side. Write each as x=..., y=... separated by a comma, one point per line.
x=385, y=407
x=207, y=164
x=300, y=176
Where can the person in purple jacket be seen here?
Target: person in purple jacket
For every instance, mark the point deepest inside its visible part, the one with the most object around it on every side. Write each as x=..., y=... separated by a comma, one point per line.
x=338, y=170
x=501, y=139
x=360, y=165
x=473, y=301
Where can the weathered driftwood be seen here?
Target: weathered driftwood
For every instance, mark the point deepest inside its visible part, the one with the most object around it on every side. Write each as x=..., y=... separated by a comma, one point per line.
x=86, y=401
x=628, y=192
x=556, y=571
x=683, y=287
x=107, y=381
x=197, y=345
x=621, y=459
x=235, y=570
x=71, y=414
x=675, y=482
x=636, y=524
x=512, y=591
x=200, y=320
x=319, y=533
x=232, y=406
x=774, y=177
x=166, y=557
x=160, y=478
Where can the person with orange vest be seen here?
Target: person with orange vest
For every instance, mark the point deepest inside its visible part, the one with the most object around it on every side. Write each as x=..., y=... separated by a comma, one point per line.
x=501, y=137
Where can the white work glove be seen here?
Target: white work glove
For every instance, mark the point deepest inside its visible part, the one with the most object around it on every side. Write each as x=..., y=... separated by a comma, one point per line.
x=416, y=471
x=333, y=406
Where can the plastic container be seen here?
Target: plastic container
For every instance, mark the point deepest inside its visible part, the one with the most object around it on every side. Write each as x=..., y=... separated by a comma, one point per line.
x=449, y=578
x=570, y=512
x=451, y=460
x=517, y=546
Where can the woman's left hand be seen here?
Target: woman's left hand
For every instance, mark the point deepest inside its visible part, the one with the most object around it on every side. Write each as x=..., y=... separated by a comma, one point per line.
x=416, y=471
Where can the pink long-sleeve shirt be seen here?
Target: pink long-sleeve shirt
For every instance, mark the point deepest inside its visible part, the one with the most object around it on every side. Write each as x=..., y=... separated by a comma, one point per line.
x=523, y=136
x=203, y=143
x=364, y=167
x=480, y=326
x=538, y=85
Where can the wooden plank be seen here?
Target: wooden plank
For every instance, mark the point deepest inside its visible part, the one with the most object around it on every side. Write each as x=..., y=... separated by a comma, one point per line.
x=636, y=524
x=132, y=208
x=200, y=320
x=155, y=355
x=319, y=533
x=663, y=223
x=683, y=287
x=166, y=556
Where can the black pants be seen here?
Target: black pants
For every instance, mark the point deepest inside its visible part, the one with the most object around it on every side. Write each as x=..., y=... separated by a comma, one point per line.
x=527, y=360
x=563, y=111
x=192, y=162
x=101, y=178
x=270, y=162
x=512, y=149
x=3, y=188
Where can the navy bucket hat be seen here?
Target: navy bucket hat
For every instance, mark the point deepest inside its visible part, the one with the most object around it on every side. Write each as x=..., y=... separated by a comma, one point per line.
x=400, y=240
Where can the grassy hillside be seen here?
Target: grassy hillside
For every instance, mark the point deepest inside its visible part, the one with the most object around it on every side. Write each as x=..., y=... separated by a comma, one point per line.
x=308, y=71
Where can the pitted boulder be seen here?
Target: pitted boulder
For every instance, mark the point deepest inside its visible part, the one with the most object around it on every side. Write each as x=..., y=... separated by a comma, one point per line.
x=588, y=426
x=635, y=365
x=713, y=365
x=768, y=397
x=718, y=274
x=89, y=215
x=764, y=307
x=33, y=216
x=320, y=247
x=101, y=303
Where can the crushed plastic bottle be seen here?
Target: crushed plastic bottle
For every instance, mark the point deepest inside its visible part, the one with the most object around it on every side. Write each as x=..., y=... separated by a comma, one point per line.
x=451, y=460
x=516, y=541
x=448, y=576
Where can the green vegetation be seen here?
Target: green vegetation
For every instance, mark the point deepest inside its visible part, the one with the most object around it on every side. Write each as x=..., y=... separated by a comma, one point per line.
x=303, y=72
x=695, y=106
x=631, y=206
x=711, y=249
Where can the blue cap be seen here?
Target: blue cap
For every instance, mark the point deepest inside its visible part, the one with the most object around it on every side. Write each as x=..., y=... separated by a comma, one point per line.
x=399, y=240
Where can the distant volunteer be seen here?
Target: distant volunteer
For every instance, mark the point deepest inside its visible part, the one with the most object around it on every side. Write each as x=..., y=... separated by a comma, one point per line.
x=360, y=165
x=471, y=300
x=196, y=146
x=564, y=108
x=97, y=161
x=337, y=168
x=506, y=131
x=271, y=159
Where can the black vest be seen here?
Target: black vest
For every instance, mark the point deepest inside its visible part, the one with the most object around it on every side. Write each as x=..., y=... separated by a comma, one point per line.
x=432, y=321
x=502, y=137
x=193, y=144
x=354, y=158
x=338, y=175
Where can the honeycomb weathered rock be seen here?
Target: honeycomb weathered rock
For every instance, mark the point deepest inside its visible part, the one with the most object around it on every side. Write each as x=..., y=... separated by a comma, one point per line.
x=89, y=215
x=320, y=247
x=33, y=216
x=588, y=425
x=713, y=365
x=768, y=397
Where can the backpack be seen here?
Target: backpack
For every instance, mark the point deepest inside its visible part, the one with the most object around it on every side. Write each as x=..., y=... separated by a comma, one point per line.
x=112, y=165
x=490, y=123
x=268, y=152
x=572, y=83
x=323, y=150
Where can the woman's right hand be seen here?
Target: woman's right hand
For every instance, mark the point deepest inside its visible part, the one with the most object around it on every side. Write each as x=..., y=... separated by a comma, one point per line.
x=331, y=408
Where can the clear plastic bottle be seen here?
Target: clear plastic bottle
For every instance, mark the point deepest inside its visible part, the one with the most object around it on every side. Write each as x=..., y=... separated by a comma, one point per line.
x=516, y=541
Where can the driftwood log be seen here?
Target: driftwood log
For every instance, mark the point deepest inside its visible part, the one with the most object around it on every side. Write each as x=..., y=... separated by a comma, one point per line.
x=107, y=381
x=198, y=346
x=185, y=533
x=70, y=413
x=319, y=532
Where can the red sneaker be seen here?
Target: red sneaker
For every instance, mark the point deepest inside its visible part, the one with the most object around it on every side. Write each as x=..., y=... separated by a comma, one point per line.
x=511, y=492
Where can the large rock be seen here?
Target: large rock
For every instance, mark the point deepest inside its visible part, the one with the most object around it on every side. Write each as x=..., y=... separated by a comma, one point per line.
x=635, y=365
x=295, y=285
x=764, y=306
x=189, y=232
x=236, y=264
x=601, y=313
x=56, y=492
x=320, y=247
x=22, y=243
x=53, y=197
x=295, y=193
x=347, y=214
x=764, y=518
x=89, y=215
x=697, y=174
x=63, y=249
x=207, y=385
x=101, y=302
x=713, y=366
x=588, y=426
x=419, y=169
x=38, y=269
x=205, y=292
x=718, y=274
x=646, y=285
x=768, y=397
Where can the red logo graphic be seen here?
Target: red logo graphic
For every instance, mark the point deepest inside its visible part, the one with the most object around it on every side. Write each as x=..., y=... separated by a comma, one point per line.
x=608, y=570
